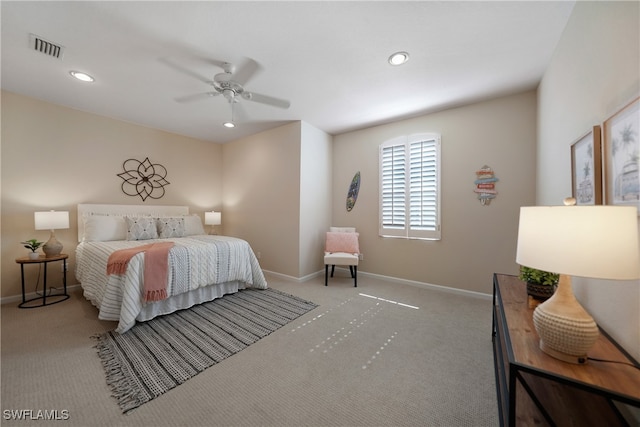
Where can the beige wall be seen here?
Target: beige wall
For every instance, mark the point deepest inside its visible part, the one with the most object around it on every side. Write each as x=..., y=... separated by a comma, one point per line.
x=276, y=184
x=55, y=157
x=315, y=197
x=476, y=240
x=277, y=196
x=595, y=70
x=261, y=187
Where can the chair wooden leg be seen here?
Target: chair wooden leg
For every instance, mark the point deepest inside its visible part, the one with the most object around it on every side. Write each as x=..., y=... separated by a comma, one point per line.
x=355, y=276
x=326, y=273
x=333, y=268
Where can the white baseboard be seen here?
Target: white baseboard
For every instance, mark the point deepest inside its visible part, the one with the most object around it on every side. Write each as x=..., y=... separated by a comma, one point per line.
x=18, y=298
x=465, y=292
x=294, y=279
x=390, y=279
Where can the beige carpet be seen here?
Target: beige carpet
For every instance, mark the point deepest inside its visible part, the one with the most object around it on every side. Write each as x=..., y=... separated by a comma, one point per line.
x=353, y=361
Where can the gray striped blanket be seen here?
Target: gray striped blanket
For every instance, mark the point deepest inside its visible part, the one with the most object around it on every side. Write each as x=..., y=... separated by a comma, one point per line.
x=195, y=263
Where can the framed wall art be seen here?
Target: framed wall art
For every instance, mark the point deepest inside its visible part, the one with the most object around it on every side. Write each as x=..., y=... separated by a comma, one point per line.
x=586, y=168
x=622, y=156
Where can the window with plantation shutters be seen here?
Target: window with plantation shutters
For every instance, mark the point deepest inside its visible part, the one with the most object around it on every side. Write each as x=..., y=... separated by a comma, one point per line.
x=410, y=187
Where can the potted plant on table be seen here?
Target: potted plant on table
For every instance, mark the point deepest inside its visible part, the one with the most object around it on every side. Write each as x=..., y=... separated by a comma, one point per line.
x=33, y=245
x=540, y=284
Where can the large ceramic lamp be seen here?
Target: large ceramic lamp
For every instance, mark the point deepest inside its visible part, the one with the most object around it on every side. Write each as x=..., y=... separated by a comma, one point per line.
x=212, y=218
x=587, y=241
x=52, y=220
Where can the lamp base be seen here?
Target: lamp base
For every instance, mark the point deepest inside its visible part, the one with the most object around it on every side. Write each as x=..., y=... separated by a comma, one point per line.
x=52, y=247
x=566, y=330
x=578, y=360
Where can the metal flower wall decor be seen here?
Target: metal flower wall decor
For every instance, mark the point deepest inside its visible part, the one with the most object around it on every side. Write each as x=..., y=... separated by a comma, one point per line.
x=143, y=178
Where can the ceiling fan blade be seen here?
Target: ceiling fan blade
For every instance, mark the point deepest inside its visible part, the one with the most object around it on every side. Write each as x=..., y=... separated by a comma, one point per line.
x=264, y=99
x=196, y=97
x=246, y=71
x=212, y=61
x=184, y=70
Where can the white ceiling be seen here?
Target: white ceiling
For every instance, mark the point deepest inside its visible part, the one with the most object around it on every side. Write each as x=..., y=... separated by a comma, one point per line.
x=328, y=58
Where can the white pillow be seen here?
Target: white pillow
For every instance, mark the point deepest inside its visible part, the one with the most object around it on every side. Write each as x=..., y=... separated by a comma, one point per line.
x=141, y=228
x=101, y=228
x=193, y=225
x=170, y=227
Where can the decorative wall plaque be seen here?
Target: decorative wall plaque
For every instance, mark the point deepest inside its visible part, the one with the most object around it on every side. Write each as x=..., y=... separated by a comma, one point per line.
x=143, y=178
x=485, y=185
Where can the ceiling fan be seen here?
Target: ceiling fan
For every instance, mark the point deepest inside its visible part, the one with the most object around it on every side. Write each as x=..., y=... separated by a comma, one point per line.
x=230, y=84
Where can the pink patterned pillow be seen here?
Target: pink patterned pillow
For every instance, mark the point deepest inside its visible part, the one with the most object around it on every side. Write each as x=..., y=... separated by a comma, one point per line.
x=342, y=242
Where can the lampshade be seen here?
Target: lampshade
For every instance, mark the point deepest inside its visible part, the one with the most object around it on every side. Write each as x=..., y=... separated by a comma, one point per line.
x=587, y=241
x=51, y=220
x=213, y=218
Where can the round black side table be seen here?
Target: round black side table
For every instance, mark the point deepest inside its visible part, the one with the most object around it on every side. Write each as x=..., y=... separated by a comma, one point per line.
x=44, y=299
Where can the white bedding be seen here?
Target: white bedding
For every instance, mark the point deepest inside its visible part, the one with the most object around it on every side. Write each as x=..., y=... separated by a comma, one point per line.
x=201, y=268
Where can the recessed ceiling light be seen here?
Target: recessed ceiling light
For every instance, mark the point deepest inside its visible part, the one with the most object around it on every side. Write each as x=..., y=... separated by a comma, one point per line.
x=228, y=125
x=82, y=76
x=398, y=58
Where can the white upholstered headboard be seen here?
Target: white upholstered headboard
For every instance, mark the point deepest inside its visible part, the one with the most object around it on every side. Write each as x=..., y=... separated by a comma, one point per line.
x=123, y=210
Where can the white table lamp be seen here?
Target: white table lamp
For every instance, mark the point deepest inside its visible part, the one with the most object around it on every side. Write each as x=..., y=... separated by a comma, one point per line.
x=212, y=218
x=586, y=241
x=51, y=220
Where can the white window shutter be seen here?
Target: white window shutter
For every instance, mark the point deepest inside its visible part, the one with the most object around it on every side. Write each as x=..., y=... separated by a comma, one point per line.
x=393, y=188
x=424, y=203
x=409, y=187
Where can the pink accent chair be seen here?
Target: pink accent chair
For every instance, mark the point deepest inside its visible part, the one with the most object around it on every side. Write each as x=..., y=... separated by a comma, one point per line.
x=341, y=248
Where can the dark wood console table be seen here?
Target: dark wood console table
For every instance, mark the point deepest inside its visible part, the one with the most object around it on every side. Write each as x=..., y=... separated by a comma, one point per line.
x=535, y=389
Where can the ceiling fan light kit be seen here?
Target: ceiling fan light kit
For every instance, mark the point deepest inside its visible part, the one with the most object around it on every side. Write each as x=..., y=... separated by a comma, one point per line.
x=230, y=124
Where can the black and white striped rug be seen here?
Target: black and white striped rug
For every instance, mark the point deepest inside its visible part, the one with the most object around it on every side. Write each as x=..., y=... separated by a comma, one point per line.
x=156, y=356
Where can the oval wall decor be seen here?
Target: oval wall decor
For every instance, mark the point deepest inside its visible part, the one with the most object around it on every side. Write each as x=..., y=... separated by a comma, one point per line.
x=354, y=188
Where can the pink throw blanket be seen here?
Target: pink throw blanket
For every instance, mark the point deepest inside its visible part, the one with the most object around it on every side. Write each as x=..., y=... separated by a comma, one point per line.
x=156, y=266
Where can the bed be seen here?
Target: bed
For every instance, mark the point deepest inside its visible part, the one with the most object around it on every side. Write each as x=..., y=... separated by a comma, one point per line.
x=200, y=267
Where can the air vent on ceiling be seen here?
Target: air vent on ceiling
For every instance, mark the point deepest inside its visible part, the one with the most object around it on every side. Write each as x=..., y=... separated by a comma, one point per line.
x=46, y=47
